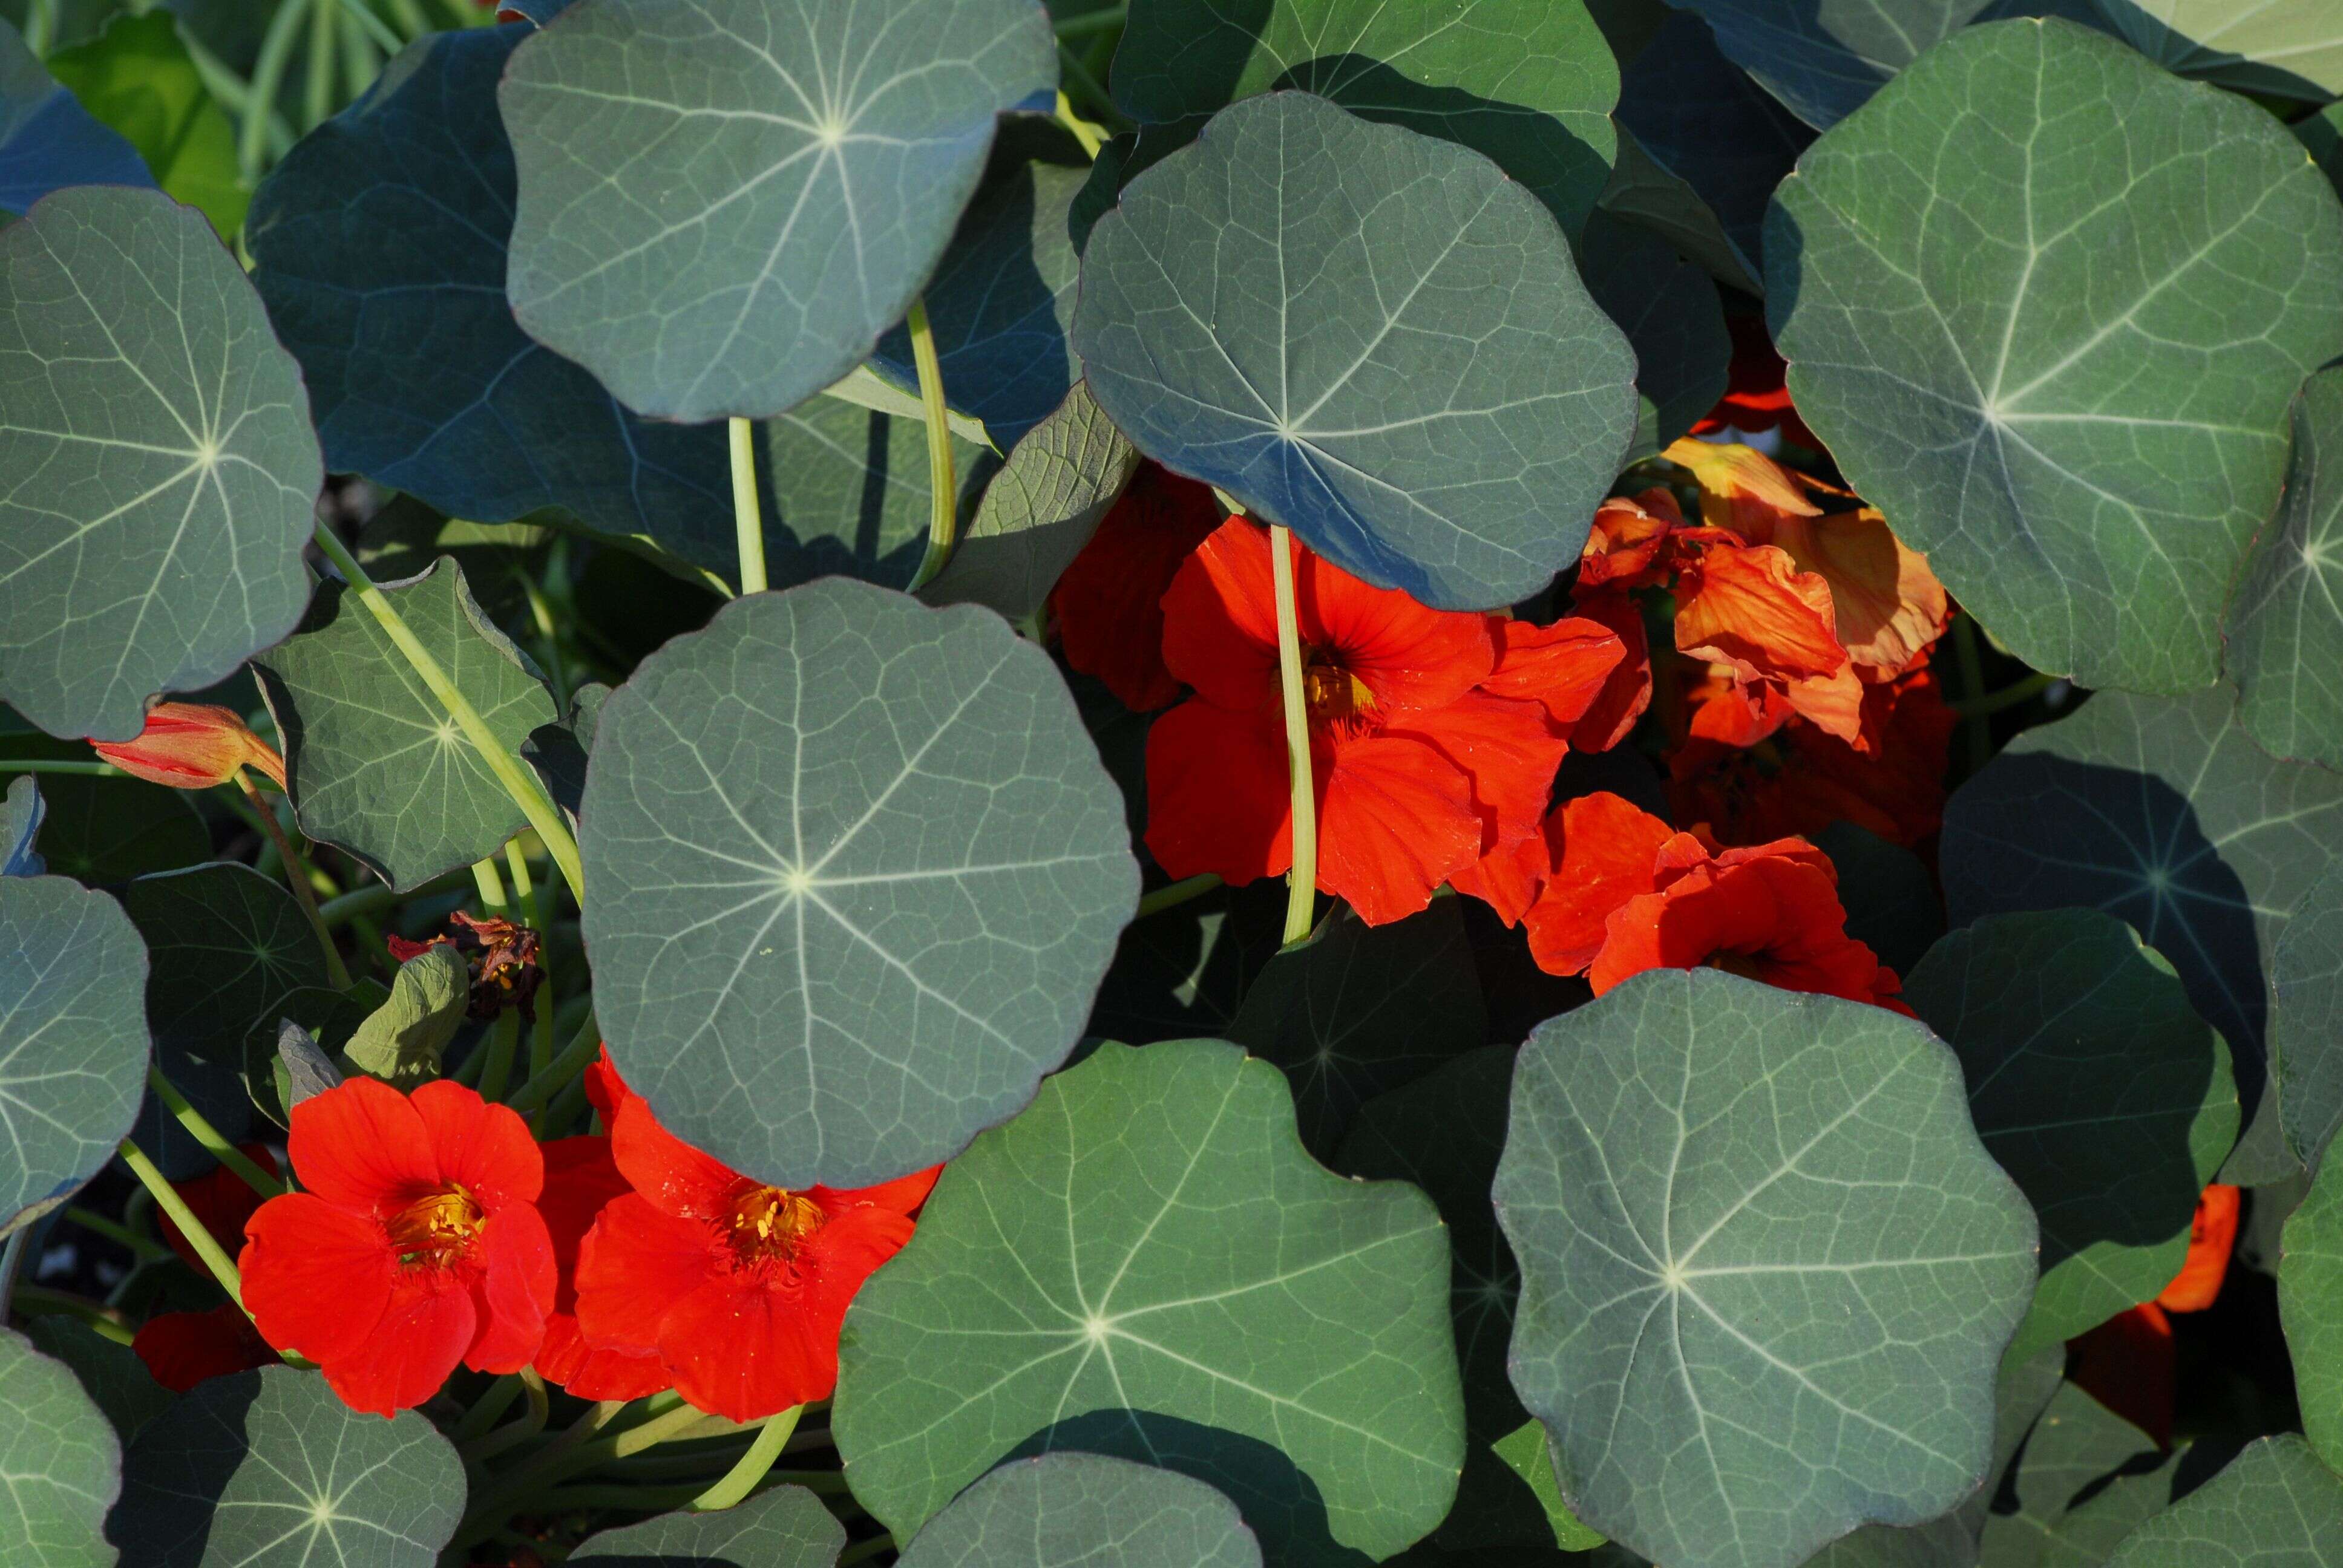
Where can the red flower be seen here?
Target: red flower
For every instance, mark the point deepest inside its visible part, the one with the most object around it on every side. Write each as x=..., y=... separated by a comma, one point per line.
x=222, y=1201
x=1434, y=736
x=737, y=1288
x=580, y=1179
x=1601, y=851
x=184, y=1349
x=191, y=745
x=2212, y=1235
x=2129, y=1364
x=1110, y=602
x=1757, y=392
x=417, y=1245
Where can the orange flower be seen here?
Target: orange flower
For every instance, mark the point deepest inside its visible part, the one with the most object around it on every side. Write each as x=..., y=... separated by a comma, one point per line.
x=2212, y=1235
x=2129, y=1364
x=191, y=745
x=1752, y=614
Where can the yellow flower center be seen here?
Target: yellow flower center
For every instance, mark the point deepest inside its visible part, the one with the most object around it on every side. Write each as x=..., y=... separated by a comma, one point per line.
x=769, y=1222
x=1333, y=695
x=434, y=1232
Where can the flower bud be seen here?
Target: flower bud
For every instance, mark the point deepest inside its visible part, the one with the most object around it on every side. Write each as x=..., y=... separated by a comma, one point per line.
x=191, y=745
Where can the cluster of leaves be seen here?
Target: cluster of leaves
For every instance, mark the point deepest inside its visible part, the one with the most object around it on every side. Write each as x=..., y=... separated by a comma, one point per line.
x=627, y=448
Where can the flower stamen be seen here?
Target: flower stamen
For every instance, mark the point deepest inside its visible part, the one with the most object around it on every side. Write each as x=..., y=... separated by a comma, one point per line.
x=434, y=1232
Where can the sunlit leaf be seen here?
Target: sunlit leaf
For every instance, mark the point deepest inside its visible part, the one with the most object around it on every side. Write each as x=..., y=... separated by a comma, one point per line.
x=48, y=140
x=2288, y=48
x=73, y=1040
x=1146, y=1263
x=159, y=466
x=1084, y=1511
x=377, y=764
x=62, y=1462
x=855, y=873
x=271, y=1469
x=2306, y=1021
x=139, y=78
x=1412, y=376
x=2275, y=1507
x=2060, y=357
x=786, y=1527
x=2164, y=814
x=2097, y=1088
x=2285, y=634
x=2310, y=1298
x=720, y=212
x=400, y=1042
x=1767, y=1269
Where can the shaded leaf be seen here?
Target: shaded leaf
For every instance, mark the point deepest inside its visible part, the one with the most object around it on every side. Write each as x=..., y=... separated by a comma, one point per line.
x=2306, y=1020
x=48, y=140
x=111, y=1374
x=2165, y=815
x=786, y=1527
x=558, y=751
x=73, y=1040
x=104, y=831
x=1084, y=1511
x=1145, y=1263
x=161, y=466
x=375, y=765
x=302, y=1066
x=2275, y=1507
x=1426, y=395
x=1643, y=194
x=2097, y=1088
x=63, y=1463
x=139, y=78
x=270, y=1469
x=2310, y=1299
x=1825, y=61
x=1767, y=1269
x=1527, y=84
x=2284, y=640
x=2061, y=361
x=1674, y=321
x=1185, y=971
x=20, y=829
x=2059, y=1496
x=400, y=1042
x=851, y=495
x=721, y=216
x=2288, y=48
x=1891, y=904
x=856, y=872
x=1523, y=1451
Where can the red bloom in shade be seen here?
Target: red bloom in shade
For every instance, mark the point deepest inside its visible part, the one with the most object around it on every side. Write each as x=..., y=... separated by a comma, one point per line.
x=221, y=1201
x=1434, y=736
x=1110, y=602
x=580, y=1179
x=192, y=745
x=418, y=1243
x=184, y=1349
x=2212, y=1235
x=1757, y=392
x=737, y=1288
x=2129, y=1364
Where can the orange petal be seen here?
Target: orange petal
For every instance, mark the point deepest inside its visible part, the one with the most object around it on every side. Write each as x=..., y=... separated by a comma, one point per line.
x=1742, y=488
x=1753, y=609
x=1605, y=849
x=2211, y=1236
x=1888, y=603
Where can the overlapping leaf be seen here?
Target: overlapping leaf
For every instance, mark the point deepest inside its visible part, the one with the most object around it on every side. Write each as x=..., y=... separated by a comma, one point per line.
x=2085, y=1478
x=1827, y=61
x=20, y=829
x=109, y=1371
x=139, y=78
x=48, y=140
x=1368, y=336
x=786, y=1527
x=2163, y=813
x=73, y=1040
x=1768, y=1270
x=1890, y=895
x=2274, y=1504
x=2306, y=1023
x=1084, y=1511
x=159, y=468
x=2310, y=1300
x=400, y=1042
x=2288, y=48
x=2048, y=307
x=856, y=873
x=104, y=831
x=376, y=763
x=2097, y=1088
x=1672, y=316
x=720, y=212
x=1528, y=83
x=271, y=1469
x=1145, y=1263
x=2285, y=634
x=62, y=1463
x=849, y=495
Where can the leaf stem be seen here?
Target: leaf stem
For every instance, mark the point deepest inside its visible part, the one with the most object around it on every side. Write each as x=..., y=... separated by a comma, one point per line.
x=569, y=1455
x=167, y=1199
x=1082, y=130
x=297, y=876
x=317, y=104
x=377, y=897
x=489, y=1409
x=2011, y=696
x=113, y=1231
x=44, y=765
x=41, y=28
x=267, y=78
x=37, y=1300
x=1094, y=98
x=742, y=1478
x=503, y=1042
x=747, y=520
x=12, y=1259
x=1978, y=735
x=526, y=791
x=1302, y=905
x=1105, y=20
x=1178, y=893
x=215, y=1144
x=943, y=485
x=562, y=1071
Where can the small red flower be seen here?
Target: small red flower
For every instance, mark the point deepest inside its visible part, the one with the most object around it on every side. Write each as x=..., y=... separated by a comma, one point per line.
x=2212, y=1236
x=737, y=1288
x=1757, y=392
x=2130, y=1365
x=222, y=1201
x=417, y=1246
x=580, y=1179
x=1434, y=734
x=1110, y=602
x=192, y=745
x=184, y=1349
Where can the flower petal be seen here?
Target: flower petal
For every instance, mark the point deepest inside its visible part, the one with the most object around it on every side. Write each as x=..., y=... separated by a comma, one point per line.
x=1411, y=656
x=670, y=1173
x=222, y=1201
x=1753, y=609
x=1217, y=795
x=903, y=1195
x=422, y=1336
x=514, y=1291
x=1109, y=601
x=1626, y=691
x=633, y=1266
x=1395, y=822
x=1564, y=667
x=584, y=1372
x=1889, y=606
x=1604, y=848
x=485, y=1149
x=362, y=1146
x=581, y=1178
x=744, y=1352
x=181, y=1350
x=316, y=1276
x=1219, y=619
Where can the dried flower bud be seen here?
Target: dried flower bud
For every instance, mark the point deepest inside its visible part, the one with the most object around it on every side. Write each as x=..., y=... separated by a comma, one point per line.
x=191, y=745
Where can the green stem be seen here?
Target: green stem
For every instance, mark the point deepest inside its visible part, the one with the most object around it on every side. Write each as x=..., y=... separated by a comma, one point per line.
x=410, y=18
x=1095, y=98
x=747, y=521
x=1977, y=732
x=121, y=1235
x=504, y=1040
x=548, y=632
x=12, y=1260
x=1078, y=126
x=267, y=79
x=1302, y=905
x=41, y=28
x=1105, y=20
x=317, y=104
x=1178, y=893
x=488, y=1410
x=863, y=1550
x=44, y=765
x=943, y=486
x=384, y=36
x=297, y=876
x=167, y=1199
x=378, y=896
x=526, y=791
x=540, y=916
x=563, y=1070
x=565, y=1457
x=39, y=1301
x=204, y=1132
x=743, y=1477
x=2011, y=696
x=491, y=886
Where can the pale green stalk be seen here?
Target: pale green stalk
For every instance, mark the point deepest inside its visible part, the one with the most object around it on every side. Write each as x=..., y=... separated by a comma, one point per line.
x=1302, y=904
x=748, y=520
x=943, y=485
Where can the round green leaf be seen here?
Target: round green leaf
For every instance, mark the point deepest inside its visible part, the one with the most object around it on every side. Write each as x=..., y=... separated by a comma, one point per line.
x=1768, y=1270
x=1825, y=61
x=109, y=1371
x=2287, y=48
x=1084, y=1511
x=1146, y=1263
x=2097, y=1088
x=2275, y=1507
x=270, y=1469
x=2285, y=634
x=60, y=1460
x=48, y=140
x=73, y=1040
x=855, y=875
x=2163, y=813
x=374, y=763
x=1527, y=84
x=2310, y=1301
x=2306, y=1020
x=104, y=831
x=161, y=465
x=719, y=213
x=1673, y=319
x=786, y=1527
x=1368, y=336
x=2079, y=1459
x=2048, y=307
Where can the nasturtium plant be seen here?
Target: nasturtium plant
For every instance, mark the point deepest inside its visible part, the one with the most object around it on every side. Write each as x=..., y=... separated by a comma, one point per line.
x=1186, y=784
